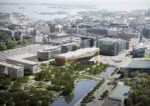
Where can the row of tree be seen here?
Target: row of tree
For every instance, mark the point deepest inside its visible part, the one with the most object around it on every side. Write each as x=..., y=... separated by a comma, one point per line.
x=89, y=97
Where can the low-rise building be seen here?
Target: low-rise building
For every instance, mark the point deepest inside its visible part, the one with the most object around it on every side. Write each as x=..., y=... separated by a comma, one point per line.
x=135, y=65
x=27, y=64
x=48, y=53
x=132, y=39
x=69, y=47
x=139, y=50
x=12, y=70
x=98, y=31
x=117, y=96
x=87, y=41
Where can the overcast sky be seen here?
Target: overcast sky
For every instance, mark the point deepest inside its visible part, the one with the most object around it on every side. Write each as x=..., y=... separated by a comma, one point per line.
x=125, y=4
x=77, y=1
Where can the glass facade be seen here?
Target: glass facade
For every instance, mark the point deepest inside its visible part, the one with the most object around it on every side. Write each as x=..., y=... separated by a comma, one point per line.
x=111, y=47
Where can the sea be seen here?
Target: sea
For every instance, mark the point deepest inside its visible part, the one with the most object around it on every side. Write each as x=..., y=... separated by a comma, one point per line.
x=52, y=11
x=42, y=12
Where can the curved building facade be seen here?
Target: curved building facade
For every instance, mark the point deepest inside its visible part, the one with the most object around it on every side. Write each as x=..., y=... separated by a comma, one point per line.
x=78, y=55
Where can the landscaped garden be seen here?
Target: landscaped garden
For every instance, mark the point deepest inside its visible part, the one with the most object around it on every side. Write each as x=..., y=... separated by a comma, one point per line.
x=44, y=87
x=147, y=55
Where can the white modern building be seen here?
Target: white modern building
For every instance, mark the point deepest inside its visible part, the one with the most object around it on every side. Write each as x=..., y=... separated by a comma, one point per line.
x=27, y=64
x=48, y=53
x=12, y=70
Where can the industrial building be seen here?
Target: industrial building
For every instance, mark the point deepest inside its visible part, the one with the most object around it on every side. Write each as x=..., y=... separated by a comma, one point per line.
x=142, y=66
x=12, y=70
x=48, y=53
x=111, y=46
x=76, y=56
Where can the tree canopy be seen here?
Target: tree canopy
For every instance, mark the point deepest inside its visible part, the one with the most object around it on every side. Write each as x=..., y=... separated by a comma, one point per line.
x=6, y=42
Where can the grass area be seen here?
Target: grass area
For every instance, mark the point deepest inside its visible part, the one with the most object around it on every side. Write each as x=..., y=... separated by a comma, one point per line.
x=97, y=69
x=147, y=55
x=146, y=60
x=84, y=77
x=128, y=54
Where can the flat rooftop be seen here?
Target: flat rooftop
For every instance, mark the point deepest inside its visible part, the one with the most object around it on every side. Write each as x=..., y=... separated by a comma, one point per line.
x=119, y=92
x=137, y=64
x=20, y=58
x=110, y=39
x=68, y=44
x=48, y=47
x=9, y=65
x=140, y=46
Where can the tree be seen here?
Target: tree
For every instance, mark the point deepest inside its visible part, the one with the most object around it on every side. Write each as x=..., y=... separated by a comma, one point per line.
x=20, y=42
x=25, y=41
x=5, y=83
x=42, y=95
x=3, y=46
x=27, y=72
x=10, y=44
x=69, y=98
x=21, y=98
x=44, y=75
x=17, y=86
x=129, y=102
x=4, y=37
x=23, y=79
x=135, y=73
x=6, y=42
x=5, y=96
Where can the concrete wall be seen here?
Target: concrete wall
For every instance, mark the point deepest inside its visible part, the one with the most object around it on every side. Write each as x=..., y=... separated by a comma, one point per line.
x=27, y=66
x=3, y=69
x=12, y=71
x=47, y=55
x=15, y=72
